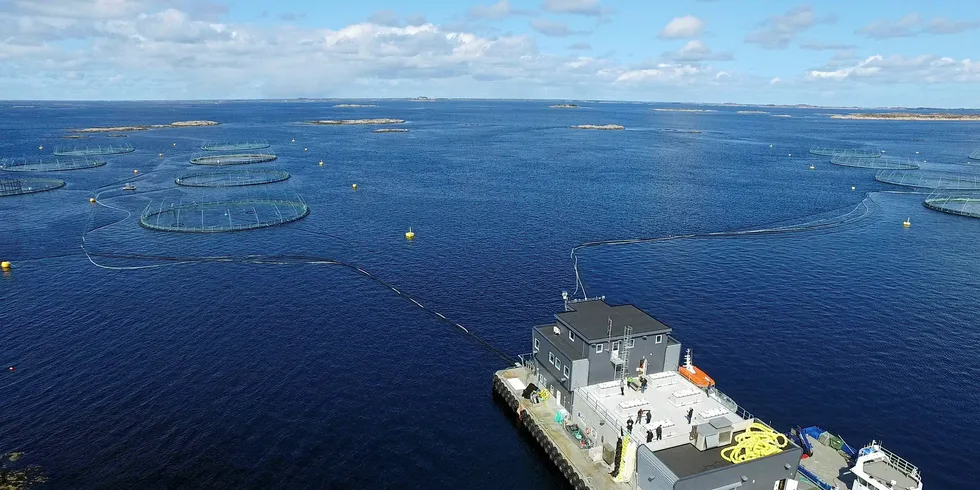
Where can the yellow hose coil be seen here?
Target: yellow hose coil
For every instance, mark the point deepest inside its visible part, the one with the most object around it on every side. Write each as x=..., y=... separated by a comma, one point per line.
x=757, y=441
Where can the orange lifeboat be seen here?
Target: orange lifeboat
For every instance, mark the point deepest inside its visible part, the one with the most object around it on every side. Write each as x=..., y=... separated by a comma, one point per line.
x=694, y=374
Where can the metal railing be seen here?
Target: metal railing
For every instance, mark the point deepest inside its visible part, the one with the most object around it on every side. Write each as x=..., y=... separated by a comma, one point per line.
x=893, y=459
x=727, y=402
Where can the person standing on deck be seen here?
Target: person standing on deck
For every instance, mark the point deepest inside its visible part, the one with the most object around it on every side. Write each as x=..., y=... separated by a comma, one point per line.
x=648, y=416
x=659, y=433
x=629, y=425
x=649, y=435
x=622, y=388
x=690, y=415
x=643, y=384
x=639, y=415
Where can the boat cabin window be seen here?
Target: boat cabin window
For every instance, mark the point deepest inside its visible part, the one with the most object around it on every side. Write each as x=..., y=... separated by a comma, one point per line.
x=558, y=363
x=598, y=348
x=659, y=339
x=551, y=357
x=564, y=371
x=537, y=345
x=571, y=336
x=631, y=344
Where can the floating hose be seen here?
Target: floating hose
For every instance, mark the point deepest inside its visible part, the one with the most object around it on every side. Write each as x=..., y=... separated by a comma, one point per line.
x=758, y=441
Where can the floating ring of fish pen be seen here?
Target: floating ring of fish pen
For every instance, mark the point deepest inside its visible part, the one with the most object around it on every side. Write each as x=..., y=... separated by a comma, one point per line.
x=232, y=178
x=95, y=150
x=877, y=162
x=952, y=204
x=234, y=159
x=244, y=146
x=49, y=163
x=930, y=180
x=223, y=216
x=853, y=152
x=17, y=187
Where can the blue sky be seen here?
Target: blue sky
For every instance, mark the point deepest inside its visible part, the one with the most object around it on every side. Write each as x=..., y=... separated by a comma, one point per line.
x=867, y=53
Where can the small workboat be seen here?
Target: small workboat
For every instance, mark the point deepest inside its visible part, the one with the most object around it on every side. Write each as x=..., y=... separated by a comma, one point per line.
x=129, y=187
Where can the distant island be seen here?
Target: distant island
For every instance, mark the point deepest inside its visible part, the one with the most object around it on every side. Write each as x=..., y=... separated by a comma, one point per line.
x=659, y=109
x=781, y=115
x=116, y=129
x=423, y=99
x=390, y=130
x=908, y=116
x=602, y=127
x=74, y=136
x=346, y=106
x=751, y=112
x=564, y=106
x=337, y=122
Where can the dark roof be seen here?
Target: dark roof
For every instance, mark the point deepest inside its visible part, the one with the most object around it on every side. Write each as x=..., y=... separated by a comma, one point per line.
x=591, y=320
x=686, y=460
x=566, y=347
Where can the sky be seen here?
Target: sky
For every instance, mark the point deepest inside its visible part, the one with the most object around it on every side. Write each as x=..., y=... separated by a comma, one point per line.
x=833, y=52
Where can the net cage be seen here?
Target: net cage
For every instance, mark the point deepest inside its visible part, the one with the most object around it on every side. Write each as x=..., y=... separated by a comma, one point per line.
x=83, y=151
x=853, y=152
x=49, y=163
x=16, y=187
x=975, y=155
x=233, y=159
x=236, y=146
x=223, y=215
x=877, y=162
x=930, y=180
x=232, y=178
x=954, y=202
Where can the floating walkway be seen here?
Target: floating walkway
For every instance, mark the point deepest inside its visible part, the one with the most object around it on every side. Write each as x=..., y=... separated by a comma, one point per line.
x=539, y=419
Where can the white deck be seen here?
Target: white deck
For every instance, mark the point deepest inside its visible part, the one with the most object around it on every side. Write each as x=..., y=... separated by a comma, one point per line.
x=669, y=396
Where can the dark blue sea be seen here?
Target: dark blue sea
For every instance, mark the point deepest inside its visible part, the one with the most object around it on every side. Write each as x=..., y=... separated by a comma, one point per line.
x=140, y=366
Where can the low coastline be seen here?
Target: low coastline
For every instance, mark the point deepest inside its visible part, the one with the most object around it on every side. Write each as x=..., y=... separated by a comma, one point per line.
x=604, y=127
x=342, y=122
x=907, y=116
x=117, y=129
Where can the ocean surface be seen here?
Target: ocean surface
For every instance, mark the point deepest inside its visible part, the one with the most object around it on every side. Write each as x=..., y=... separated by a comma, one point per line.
x=143, y=366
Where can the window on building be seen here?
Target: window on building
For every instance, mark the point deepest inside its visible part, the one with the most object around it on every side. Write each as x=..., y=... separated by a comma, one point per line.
x=598, y=348
x=571, y=336
x=631, y=344
x=551, y=357
x=558, y=363
x=615, y=345
x=564, y=371
x=659, y=339
x=537, y=345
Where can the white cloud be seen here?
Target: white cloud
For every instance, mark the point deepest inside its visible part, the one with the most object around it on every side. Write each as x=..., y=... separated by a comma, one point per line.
x=682, y=27
x=775, y=80
x=581, y=7
x=553, y=29
x=917, y=69
x=496, y=11
x=696, y=50
x=779, y=31
x=914, y=24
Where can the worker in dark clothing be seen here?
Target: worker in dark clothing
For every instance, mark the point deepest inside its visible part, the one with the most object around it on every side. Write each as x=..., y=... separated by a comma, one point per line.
x=643, y=385
x=648, y=416
x=622, y=388
x=639, y=415
x=629, y=424
x=659, y=433
x=690, y=415
x=649, y=435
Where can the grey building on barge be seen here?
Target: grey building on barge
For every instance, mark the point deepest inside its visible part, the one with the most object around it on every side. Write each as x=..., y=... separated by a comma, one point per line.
x=598, y=427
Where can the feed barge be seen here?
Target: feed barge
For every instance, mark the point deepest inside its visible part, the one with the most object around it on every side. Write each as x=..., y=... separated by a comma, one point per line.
x=605, y=394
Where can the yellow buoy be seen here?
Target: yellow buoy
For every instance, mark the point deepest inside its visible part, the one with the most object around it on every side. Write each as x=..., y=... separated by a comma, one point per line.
x=136, y=171
x=91, y=200
x=5, y=265
x=353, y=186
x=410, y=234
x=907, y=223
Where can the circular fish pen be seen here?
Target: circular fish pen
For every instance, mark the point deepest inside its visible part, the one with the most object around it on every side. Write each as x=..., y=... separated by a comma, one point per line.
x=233, y=159
x=849, y=152
x=960, y=204
x=242, y=146
x=929, y=180
x=232, y=178
x=49, y=163
x=223, y=216
x=17, y=187
x=877, y=162
x=76, y=151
